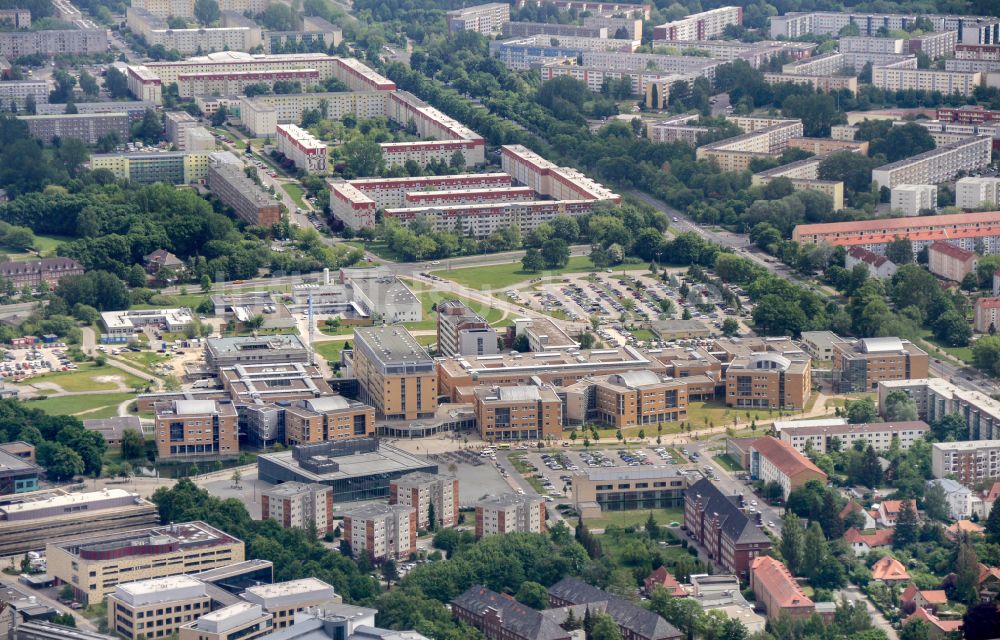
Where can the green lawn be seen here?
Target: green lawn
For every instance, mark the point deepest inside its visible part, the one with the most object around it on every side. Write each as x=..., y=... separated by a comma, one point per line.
x=143, y=360
x=190, y=300
x=644, y=334
x=962, y=353
x=296, y=192
x=102, y=405
x=727, y=463
x=637, y=517
x=84, y=378
x=429, y=298
x=503, y=275
x=330, y=349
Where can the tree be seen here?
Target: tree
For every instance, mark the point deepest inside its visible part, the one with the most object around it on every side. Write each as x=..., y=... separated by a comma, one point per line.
x=652, y=528
x=952, y=329
x=900, y=407
x=237, y=477
x=993, y=525
x=532, y=594
x=133, y=445
x=89, y=84
x=206, y=12
x=814, y=552
x=935, y=502
x=950, y=428
x=792, y=542
x=149, y=129
x=730, y=327
x=915, y=630
x=432, y=519
x=364, y=156
x=902, y=142
x=555, y=253
x=604, y=628
x=861, y=411
x=899, y=251
x=966, y=574
x=907, y=527
x=60, y=461
x=532, y=262
x=116, y=83
x=389, y=571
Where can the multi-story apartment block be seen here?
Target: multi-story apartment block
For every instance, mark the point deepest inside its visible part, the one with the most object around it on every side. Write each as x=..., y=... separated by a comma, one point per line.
x=315, y=31
x=905, y=76
x=735, y=154
x=827, y=83
x=227, y=180
x=622, y=26
x=396, y=375
x=32, y=273
x=302, y=148
x=18, y=92
x=911, y=199
x=524, y=53
x=285, y=599
x=937, y=398
x=480, y=220
x=156, y=32
x=525, y=29
x=769, y=380
x=487, y=19
x=722, y=527
x=17, y=18
x=522, y=412
x=975, y=193
x=320, y=419
x=501, y=617
x=937, y=165
x=776, y=589
x=86, y=127
x=641, y=80
x=277, y=349
x=144, y=84
x=935, y=44
x=262, y=114
x=510, y=513
x=966, y=230
x=795, y=24
x=700, y=26
x=880, y=435
x=95, y=565
x=468, y=196
x=146, y=168
x=625, y=488
x=624, y=61
x=241, y=620
x=827, y=64
x=773, y=460
x=949, y=261
x=986, y=315
x=300, y=505
x=135, y=109
x=177, y=124
x=234, y=83
x=420, y=491
x=970, y=463
x=185, y=8
x=984, y=67
x=423, y=152
x=982, y=32
x=549, y=179
x=381, y=531
x=15, y=44
x=156, y=608
x=860, y=366
x=196, y=429
x=870, y=44
x=461, y=331
x=804, y=175
x=596, y=8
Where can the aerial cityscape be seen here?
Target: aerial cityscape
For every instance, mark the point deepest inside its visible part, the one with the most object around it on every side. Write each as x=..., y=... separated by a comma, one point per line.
x=543, y=320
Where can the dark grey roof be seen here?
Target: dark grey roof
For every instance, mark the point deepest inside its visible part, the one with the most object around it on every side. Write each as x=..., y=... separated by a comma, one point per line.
x=641, y=622
x=736, y=525
x=517, y=618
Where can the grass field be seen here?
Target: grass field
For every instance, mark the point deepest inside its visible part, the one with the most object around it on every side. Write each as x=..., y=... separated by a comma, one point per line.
x=727, y=463
x=962, y=353
x=635, y=518
x=503, y=275
x=190, y=300
x=102, y=405
x=296, y=192
x=46, y=245
x=429, y=298
x=330, y=349
x=84, y=379
x=144, y=360
x=644, y=334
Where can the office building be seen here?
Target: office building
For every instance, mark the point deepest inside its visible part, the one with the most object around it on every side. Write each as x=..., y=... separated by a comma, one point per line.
x=859, y=366
x=700, y=26
x=396, y=375
x=510, y=513
x=966, y=230
x=95, y=565
x=731, y=537
x=380, y=531
x=379, y=291
x=157, y=607
x=86, y=127
x=633, y=620
x=242, y=620
x=461, y=331
x=769, y=380
x=937, y=398
x=487, y=19
x=147, y=168
x=937, y=165
x=775, y=588
x=17, y=475
x=524, y=412
x=196, y=429
x=253, y=350
x=986, y=315
x=632, y=398
x=977, y=193
x=879, y=435
x=776, y=461
x=878, y=266
x=250, y=384
x=19, y=92
x=330, y=417
x=501, y=617
x=16, y=44
x=970, y=463
x=420, y=491
x=228, y=181
x=295, y=504
x=950, y=262
x=302, y=148
x=283, y=600
x=599, y=491
x=911, y=199
x=356, y=469
x=30, y=519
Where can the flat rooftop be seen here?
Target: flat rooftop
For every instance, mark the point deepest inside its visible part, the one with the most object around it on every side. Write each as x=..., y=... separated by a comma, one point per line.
x=234, y=345
x=546, y=361
x=185, y=534
x=392, y=345
x=154, y=585
x=67, y=500
x=629, y=473
x=385, y=459
x=375, y=510
x=509, y=500
x=289, y=588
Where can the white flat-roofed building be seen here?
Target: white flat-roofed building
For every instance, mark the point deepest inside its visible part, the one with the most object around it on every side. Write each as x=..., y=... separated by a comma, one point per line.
x=968, y=462
x=549, y=179
x=975, y=193
x=389, y=193
x=905, y=76
x=879, y=435
x=911, y=199
x=937, y=398
x=800, y=23
x=243, y=620
x=236, y=82
x=425, y=151
x=700, y=26
x=381, y=531
x=128, y=323
x=302, y=148
x=156, y=608
x=261, y=114
x=937, y=165
x=156, y=32
x=360, y=77
x=144, y=84
x=283, y=599
x=487, y=19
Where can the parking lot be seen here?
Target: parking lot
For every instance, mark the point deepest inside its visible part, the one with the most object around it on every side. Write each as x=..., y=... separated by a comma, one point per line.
x=26, y=362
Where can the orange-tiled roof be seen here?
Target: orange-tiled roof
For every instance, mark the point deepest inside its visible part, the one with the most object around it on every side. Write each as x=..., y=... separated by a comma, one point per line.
x=850, y=508
x=785, y=457
x=893, y=507
x=946, y=626
x=880, y=538
x=937, y=597
x=987, y=572
x=988, y=303
x=662, y=577
x=888, y=568
x=774, y=578
x=901, y=224
x=951, y=250
x=964, y=526
x=994, y=492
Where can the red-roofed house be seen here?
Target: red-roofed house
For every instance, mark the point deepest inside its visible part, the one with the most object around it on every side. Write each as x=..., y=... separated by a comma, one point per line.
x=931, y=600
x=878, y=266
x=890, y=571
x=990, y=497
x=862, y=543
x=888, y=511
x=987, y=312
x=966, y=527
x=662, y=578
x=773, y=460
x=939, y=629
x=854, y=507
x=949, y=261
x=777, y=590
